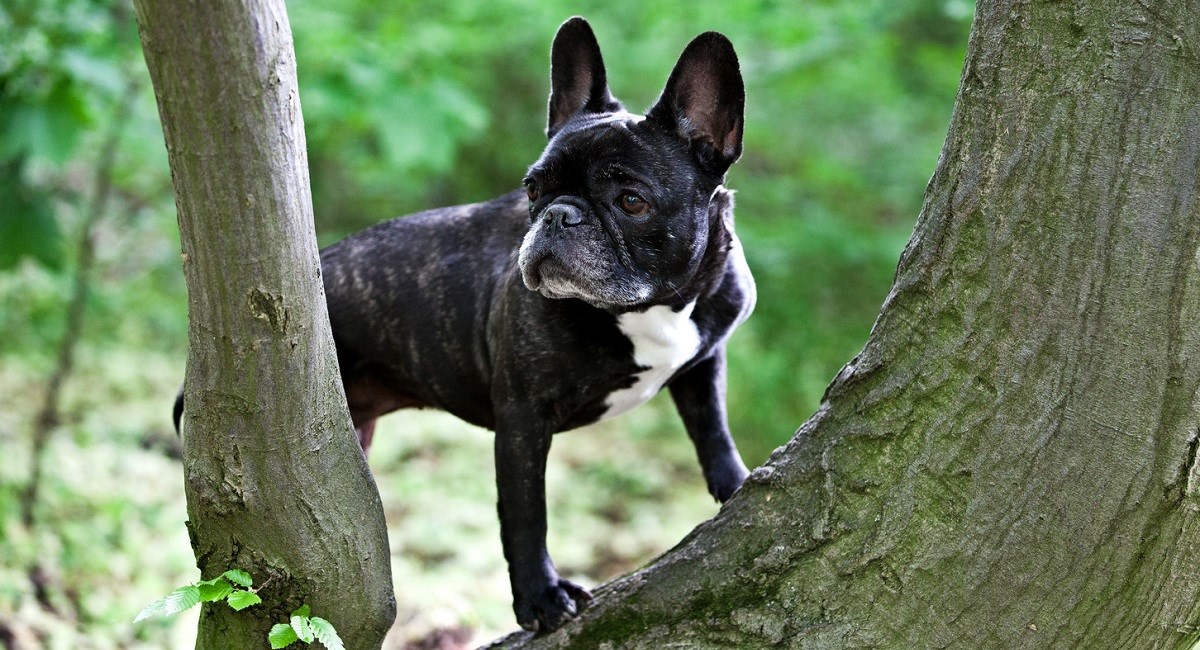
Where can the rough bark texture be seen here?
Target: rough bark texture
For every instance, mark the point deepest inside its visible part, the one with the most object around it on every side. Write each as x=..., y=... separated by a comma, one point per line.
x=1011, y=460
x=275, y=482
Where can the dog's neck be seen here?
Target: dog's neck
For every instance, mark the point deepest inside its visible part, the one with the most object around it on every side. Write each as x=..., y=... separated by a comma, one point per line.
x=711, y=272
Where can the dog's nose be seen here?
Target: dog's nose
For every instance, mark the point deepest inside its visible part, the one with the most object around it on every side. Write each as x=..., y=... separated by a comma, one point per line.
x=563, y=215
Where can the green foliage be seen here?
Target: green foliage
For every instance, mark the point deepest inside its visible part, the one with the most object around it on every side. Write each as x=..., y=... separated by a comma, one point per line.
x=177, y=601
x=299, y=622
x=240, y=600
x=216, y=589
x=206, y=591
x=305, y=628
x=27, y=224
x=282, y=635
x=325, y=633
x=62, y=60
x=302, y=625
x=239, y=577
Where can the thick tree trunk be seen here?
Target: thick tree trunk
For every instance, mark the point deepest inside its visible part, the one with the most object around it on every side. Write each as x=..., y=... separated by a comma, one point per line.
x=275, y=482
x=1011, y=460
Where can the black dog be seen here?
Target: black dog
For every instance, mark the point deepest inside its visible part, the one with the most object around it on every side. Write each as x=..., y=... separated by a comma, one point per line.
x=614, y=273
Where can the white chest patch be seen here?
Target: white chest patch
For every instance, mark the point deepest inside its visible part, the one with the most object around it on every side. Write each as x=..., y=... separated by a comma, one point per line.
x=663, y=340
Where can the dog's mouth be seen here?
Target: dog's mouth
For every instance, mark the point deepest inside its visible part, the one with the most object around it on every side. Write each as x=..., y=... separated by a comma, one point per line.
x=552, y=279
x=549, y=277
x=534, y=264
x=546, y=272
x=541, y=269
x=551, y=271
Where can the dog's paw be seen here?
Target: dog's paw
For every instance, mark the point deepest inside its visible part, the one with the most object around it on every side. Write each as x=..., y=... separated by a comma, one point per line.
x=724, y=479
x=554, y=605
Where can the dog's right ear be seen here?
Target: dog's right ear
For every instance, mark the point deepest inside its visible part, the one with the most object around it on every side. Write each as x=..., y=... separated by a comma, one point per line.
x=704, y=101
x=578, y=83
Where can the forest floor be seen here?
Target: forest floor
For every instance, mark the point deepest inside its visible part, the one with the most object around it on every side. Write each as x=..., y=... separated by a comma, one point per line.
x=109, y=536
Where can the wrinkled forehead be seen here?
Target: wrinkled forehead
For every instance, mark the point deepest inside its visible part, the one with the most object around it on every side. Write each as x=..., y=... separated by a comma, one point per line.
x=595, y=141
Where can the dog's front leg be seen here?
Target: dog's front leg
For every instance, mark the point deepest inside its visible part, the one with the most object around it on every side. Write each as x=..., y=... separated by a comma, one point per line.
x=699, y=396
x=542, y=600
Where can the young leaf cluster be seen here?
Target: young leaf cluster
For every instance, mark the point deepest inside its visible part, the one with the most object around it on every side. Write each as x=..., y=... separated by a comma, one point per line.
x=233, y=587
x=305, y=627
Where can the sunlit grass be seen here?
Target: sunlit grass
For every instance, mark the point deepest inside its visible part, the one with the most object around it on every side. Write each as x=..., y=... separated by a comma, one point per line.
x=109, y=533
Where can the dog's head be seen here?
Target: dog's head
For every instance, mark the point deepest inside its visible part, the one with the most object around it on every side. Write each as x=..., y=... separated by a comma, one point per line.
x=622, y=207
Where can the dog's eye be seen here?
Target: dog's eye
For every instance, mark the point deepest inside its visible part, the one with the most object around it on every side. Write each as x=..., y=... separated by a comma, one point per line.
x=632, y=204
x=531, y=190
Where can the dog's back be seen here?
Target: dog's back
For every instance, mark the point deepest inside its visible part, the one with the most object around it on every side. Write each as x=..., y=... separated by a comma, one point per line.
x=409, y=318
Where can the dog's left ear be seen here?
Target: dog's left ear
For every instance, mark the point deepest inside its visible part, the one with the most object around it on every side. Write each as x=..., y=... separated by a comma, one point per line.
x=704, y=100
x=578, y=83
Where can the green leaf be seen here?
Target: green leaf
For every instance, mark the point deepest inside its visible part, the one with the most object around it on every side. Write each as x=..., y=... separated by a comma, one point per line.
x=93, y=72
x=27, y=223
x=48, y=130
x=303, y=611
x=240, y=599
x=282, y=635
x=173, y=603
x=303, y=630
x=212, y=590
x=239, y=577
x=153, y=609
x=326, y=634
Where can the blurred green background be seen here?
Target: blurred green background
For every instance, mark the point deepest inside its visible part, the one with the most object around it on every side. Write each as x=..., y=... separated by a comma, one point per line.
x=409, y=106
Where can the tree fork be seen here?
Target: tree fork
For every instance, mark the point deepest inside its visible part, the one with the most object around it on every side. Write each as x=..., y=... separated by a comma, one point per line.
x=275, y=481
x=1011, y=460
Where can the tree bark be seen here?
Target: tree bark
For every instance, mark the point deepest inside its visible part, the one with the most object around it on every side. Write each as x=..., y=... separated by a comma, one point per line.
x=275, y=481
x=1010, y=462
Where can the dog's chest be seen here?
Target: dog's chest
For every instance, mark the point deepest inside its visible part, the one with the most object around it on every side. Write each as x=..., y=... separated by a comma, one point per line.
x=663, y=341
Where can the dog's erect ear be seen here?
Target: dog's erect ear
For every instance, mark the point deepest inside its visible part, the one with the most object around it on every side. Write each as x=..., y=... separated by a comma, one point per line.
x=577, y=79
x=704, y=100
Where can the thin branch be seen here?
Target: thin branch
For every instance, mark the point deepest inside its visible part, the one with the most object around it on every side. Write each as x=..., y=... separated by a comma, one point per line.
x=49, y=414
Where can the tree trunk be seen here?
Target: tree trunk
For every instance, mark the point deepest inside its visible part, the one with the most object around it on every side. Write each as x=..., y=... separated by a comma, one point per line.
x=275, y=481
x=1011, y=460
